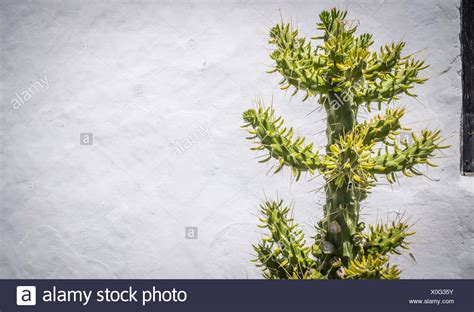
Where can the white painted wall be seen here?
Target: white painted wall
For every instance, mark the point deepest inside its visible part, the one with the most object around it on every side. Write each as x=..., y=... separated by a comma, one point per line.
x=142, y=75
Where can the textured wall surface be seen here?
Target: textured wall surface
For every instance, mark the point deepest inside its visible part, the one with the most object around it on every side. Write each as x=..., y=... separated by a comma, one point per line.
x=158, y=89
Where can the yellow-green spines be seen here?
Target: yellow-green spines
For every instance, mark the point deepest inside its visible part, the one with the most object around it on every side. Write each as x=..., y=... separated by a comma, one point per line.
x=339, y=69
x=278, y=141
x=371, y=267
x=283, y=254
x=300, y=65
x=381, y=127
x=405, y=156
x=383, y=239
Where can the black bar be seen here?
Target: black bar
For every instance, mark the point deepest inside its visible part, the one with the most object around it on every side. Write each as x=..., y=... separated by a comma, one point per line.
x=252, y=295
x=467, y=117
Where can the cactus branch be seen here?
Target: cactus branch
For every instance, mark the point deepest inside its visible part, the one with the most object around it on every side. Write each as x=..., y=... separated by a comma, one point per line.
x=371, y=267
x=283, y=253
x=272, y=136
x=295, y=59
x=380, y=127
x=404, y=158
x=383, y=239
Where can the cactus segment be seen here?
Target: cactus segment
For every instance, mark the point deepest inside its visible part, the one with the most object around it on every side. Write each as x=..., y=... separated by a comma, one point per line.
x=278, y=140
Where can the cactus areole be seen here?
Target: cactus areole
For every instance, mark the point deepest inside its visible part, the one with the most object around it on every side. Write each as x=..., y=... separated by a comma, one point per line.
x=340, y=72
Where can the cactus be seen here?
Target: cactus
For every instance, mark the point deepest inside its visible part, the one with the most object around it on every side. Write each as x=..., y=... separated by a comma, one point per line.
x=343, y=76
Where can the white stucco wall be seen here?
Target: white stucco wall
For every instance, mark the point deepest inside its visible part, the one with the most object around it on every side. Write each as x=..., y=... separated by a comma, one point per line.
x=142, y=75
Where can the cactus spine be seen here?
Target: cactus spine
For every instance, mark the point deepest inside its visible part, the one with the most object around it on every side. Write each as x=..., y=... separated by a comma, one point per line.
x=344, y=77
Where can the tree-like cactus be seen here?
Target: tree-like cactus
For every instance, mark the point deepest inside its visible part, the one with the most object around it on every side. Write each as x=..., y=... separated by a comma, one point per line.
x=344, y=77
